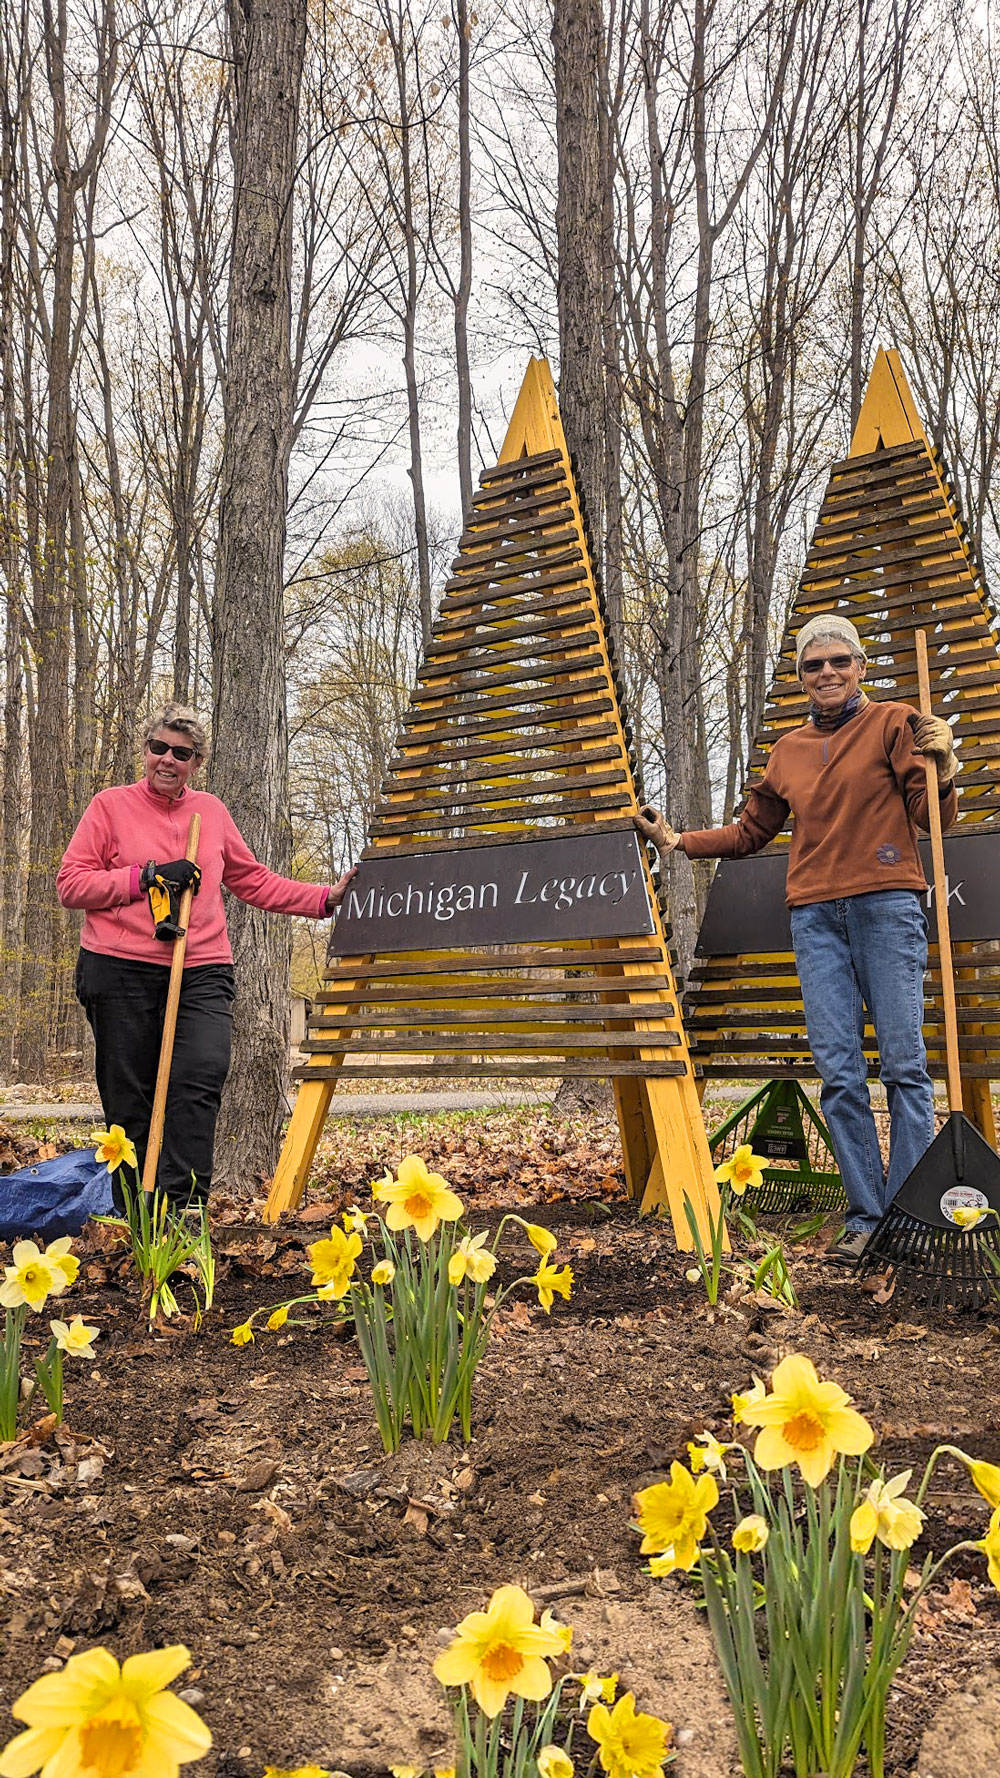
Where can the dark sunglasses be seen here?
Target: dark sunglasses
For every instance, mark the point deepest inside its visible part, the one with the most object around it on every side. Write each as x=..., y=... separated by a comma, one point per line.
x=839, y=662
x=162, y=747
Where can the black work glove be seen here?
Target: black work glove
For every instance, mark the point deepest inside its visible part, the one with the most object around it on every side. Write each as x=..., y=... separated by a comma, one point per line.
x=180, y=873
x=163, y=887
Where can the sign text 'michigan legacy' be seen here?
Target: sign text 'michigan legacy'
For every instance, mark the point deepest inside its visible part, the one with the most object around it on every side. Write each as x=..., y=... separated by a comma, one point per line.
x=590, y=886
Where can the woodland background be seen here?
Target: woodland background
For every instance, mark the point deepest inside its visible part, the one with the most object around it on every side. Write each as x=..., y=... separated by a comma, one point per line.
x=268, y=283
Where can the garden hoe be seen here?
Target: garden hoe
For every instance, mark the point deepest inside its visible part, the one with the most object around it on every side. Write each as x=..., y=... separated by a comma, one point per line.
x=940, y=1237
x=155, y=1140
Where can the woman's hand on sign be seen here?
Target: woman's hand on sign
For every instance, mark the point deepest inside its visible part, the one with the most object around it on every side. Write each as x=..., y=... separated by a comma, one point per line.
x=651, y=824
x=340, y=889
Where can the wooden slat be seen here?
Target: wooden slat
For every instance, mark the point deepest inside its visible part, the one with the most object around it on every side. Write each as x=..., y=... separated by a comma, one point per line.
x=561, y=1042
x=509, y=679
x=580, y=828
x=571, y=603
x=388, y=821
x=569, y=988
x=519, y=748
x=502, y=724
x=543, y=581
x=461, y=1069
x=503, y=525
x=520, y=764
x=828, y=547
x=495, y=793
x=502, y=473
x=505, y=957
x=523, y=570
x=479, y=660
x=490, y=1019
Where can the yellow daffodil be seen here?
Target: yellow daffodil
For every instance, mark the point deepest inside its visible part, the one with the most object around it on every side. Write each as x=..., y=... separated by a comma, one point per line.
x=673, y=1517
x=333, y=1261
x=554, y=1762
x=402, y=1772
x=984, y=1476
x=355, y=1221
x=444, y=1772
x=966, y=1216
x=242, y=1335
x=114, y=1148
x=743, y=1169
x=805, y=1421
x=317, y=1771
x=470, y=1260
x=990, y=1546
x=751, y=1534
x=882, y=1514
x=278, y=1317
x=93, y=1719
x=417, y=1199
x=542, y=1239
x=62, y=1262
x=595, y=1687
x=550, y=1279
x=31, y=1279
x=77, y=1340
x=383, y=1272
x=629, y=1746
x=564, y=1631
x=499, y=1652
x=747, y=1400
x=707, y=1453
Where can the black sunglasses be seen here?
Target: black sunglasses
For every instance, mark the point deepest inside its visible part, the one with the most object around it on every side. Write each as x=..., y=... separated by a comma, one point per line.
x=839, y=662
x=162, y=747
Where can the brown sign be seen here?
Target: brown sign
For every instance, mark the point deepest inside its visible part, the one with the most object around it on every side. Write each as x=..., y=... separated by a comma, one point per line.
x=746, y=909
x=593, y=886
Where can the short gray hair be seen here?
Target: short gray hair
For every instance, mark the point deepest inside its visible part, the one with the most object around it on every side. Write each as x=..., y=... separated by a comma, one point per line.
x=183, y=720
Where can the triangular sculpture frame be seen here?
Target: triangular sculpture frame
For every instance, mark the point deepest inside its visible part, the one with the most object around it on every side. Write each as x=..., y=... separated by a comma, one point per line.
x=888, y=552
x=515, y=731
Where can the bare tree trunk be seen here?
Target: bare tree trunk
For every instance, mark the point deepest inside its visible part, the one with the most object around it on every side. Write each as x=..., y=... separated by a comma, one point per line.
x=577, y=41
x=250, y=760
x=464, y=290
x=51, y=791
x=13, y=82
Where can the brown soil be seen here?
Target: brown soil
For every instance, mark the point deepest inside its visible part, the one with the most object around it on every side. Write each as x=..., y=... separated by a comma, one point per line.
x=239, y=1500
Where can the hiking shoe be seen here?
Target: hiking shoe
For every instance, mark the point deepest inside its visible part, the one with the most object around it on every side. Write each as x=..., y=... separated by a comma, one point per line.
x=849, y=1249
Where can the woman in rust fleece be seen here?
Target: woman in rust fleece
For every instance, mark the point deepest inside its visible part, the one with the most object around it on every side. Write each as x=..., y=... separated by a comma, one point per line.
x=853, y=779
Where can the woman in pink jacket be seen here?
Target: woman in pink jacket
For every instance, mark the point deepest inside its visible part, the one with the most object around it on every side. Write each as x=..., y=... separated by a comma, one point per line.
x=127, y=836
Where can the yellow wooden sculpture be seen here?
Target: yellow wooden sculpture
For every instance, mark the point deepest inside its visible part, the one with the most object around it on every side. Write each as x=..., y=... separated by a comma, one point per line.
x=515, y=731
x=888, y=552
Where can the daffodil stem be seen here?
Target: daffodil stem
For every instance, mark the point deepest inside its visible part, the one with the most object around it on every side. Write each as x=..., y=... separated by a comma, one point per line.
x=10, y=1372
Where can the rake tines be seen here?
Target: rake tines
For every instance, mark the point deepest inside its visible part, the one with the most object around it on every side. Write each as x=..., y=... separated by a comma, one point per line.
x=936, y=1268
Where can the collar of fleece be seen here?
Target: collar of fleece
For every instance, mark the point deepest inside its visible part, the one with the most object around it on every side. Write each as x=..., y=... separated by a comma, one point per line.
x=830, y=720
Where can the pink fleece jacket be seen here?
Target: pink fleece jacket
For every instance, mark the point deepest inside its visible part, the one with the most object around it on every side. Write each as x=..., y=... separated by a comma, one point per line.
x=124, y=827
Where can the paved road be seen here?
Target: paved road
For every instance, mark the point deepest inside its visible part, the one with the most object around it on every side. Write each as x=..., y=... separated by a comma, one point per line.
x=359, y=1104
x=350, y=1104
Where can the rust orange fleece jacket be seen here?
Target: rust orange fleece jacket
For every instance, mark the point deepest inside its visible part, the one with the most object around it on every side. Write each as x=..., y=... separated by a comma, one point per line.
x=857, y=796
x=122, y=828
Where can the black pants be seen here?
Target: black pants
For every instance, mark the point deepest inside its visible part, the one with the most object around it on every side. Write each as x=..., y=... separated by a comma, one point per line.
x=125, y=1004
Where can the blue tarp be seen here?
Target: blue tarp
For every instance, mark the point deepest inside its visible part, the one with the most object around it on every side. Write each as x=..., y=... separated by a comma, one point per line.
x=56, y=1197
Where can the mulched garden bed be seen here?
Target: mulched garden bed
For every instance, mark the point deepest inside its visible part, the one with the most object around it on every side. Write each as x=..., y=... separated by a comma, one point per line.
x=238, y=1500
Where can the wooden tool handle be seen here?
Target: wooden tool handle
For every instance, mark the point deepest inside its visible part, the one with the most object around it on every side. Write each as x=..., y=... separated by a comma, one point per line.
x=155, y=1141
x=940, y=893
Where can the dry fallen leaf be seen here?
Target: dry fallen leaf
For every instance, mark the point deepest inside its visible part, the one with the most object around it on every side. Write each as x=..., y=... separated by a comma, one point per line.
x=260, y=1475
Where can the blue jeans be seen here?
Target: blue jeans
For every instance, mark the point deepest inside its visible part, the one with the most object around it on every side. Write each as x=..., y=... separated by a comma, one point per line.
x=868, y=951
